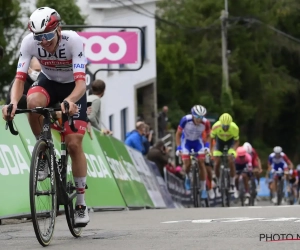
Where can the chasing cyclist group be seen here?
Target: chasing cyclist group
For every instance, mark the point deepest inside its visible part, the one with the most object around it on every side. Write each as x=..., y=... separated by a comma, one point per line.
x=194, y=133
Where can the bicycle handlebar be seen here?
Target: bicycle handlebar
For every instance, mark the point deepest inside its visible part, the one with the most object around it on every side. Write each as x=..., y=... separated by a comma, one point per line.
x=38, y=110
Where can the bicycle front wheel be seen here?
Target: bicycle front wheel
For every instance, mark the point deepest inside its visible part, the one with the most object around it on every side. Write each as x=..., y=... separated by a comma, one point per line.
x=42, y=193
x=70, y=207
x=196, y=197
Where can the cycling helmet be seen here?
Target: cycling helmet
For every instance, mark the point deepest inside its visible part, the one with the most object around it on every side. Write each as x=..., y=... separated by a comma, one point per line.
x=198, y=110
x=277, y=150
x=241, y=151
x=225, y=119
x=44, y=20
x=248, y=147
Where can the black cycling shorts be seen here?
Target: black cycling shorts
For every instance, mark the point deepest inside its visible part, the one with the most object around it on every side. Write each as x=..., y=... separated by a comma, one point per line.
x=220, y=144
x=56, y=93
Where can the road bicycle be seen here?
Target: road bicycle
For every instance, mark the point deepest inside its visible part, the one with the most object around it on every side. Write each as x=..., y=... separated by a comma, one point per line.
x=196, y=183
x=58, y=188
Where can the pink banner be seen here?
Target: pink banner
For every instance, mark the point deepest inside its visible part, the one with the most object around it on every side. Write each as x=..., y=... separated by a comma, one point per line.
x=110, y=47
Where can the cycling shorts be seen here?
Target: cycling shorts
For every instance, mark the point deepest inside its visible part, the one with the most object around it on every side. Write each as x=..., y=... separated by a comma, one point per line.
x=220, y=144
x=56, y=92
x=240, y=167
x=187, y=146
x=277, y=166
x=292, y=181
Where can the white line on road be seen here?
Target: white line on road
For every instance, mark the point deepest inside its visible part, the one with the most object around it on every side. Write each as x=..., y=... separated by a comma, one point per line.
x=202, y=221
x=280, y=219
x=244, y=219
x=237, y=219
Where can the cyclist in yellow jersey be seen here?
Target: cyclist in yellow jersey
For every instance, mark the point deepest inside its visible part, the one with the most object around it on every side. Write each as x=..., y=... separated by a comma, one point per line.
x=225, y=133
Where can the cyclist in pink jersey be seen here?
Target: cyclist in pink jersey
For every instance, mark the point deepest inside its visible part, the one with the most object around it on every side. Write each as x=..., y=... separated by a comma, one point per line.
x=243, y=162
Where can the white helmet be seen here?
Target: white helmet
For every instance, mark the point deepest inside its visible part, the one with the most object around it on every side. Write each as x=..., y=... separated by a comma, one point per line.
x=277, y=150
x=44, y=20
x=247, y=146
x=198, y=110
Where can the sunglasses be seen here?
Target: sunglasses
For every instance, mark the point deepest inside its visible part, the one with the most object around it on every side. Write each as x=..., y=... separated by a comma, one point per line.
x=45, y=36
x=225, y=127
x=198, y=116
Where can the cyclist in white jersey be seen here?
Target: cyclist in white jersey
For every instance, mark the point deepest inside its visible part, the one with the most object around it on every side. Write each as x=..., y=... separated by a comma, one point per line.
x=62, y=78
x=193, y=126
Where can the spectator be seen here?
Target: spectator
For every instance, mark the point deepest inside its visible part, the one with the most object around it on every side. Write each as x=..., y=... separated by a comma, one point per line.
x=98, y=89
x=159, y=154
x=149, y=135
x=136, y=138
x=94, y=111
x=162, y=122
x=32, y=75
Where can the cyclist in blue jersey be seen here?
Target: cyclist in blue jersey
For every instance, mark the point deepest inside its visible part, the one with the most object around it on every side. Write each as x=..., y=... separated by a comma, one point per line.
x=208, y=164
x=278, y=161
x=193, y=125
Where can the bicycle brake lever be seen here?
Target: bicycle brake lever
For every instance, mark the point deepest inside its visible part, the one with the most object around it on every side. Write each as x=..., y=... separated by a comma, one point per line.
x=9, y=124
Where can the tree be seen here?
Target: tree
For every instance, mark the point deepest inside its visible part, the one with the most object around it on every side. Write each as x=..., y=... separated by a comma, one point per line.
x=263, y=65
x=9, y=26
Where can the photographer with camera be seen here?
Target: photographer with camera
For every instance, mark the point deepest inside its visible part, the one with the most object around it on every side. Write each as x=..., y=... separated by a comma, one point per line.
x=159, y=154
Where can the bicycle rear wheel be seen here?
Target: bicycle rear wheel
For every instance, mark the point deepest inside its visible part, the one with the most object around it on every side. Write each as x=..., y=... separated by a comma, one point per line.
x=68, y=182
x=42, y=193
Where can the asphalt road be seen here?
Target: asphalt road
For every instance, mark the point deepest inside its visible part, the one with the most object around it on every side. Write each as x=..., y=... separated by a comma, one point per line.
x=202, y=228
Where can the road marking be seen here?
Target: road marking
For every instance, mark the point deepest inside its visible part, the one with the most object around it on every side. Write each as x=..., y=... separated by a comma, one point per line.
x=177, y=221
x=202, y=221
x=237, y=219
x=282, y=206
x=281, y=219
x=244, y=219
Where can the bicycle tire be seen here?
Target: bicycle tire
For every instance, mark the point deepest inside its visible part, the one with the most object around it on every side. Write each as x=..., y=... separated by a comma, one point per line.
x=241, y=192
x=195, y=187
x=279, y=192
x=228, y=194
x=222, y=188
x=42, y=148
x=253, y=192
x=290, y=198
x=69, y=208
